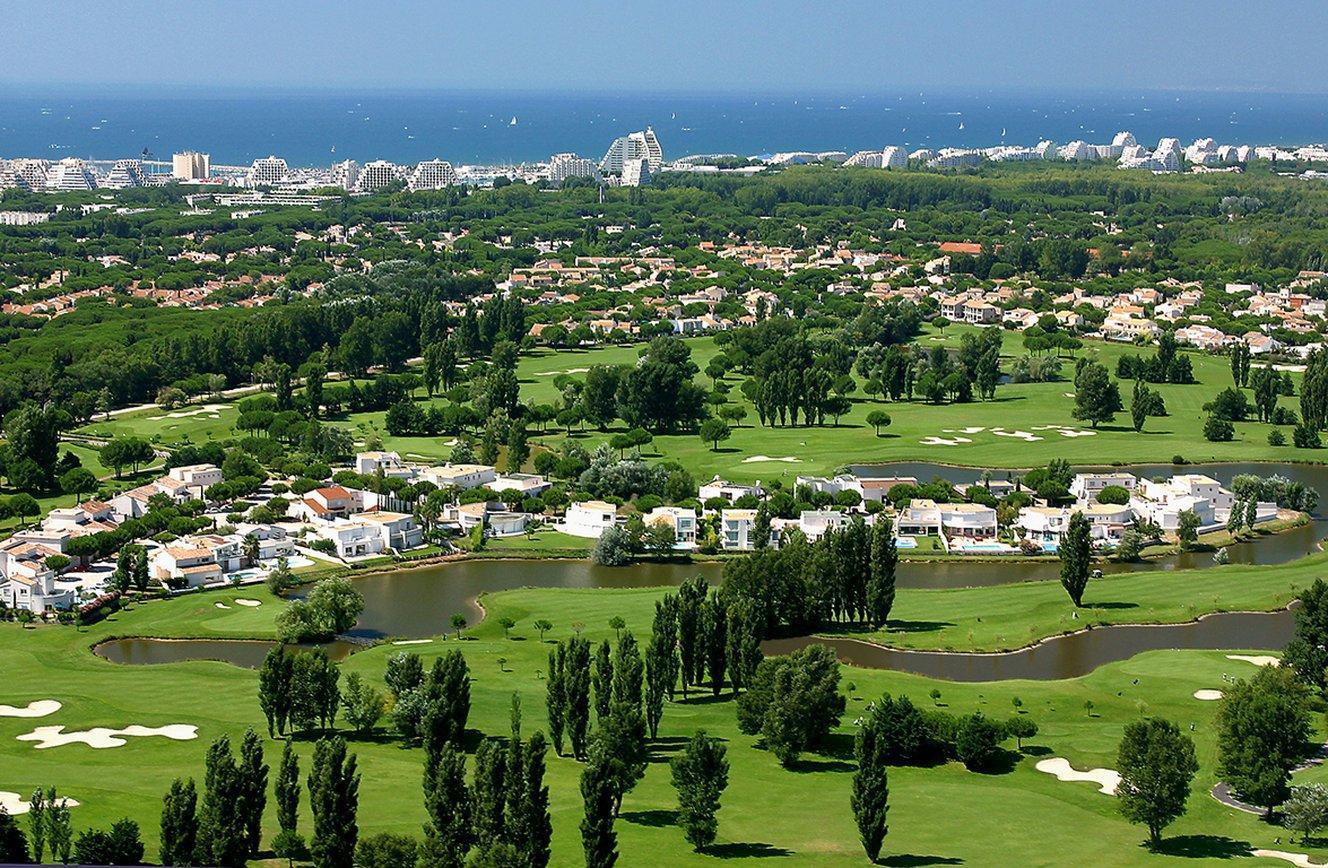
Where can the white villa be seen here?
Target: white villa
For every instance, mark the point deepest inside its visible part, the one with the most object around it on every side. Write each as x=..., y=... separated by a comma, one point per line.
x=589, y=518
x=729, y=491
x=737, y=530
x=868, y=488
x=1107, y=522
x=925, y=517
x=681, y=520
x=463, y=476
x=388, y=463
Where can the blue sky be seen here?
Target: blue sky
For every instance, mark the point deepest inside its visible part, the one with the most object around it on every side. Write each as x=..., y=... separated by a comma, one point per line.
x=673, y=45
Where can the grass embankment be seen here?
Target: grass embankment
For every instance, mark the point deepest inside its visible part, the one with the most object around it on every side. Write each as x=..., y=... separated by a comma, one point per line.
x=943, y=815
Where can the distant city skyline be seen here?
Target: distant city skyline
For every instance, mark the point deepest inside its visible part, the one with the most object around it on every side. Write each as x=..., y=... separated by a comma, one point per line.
x=779, y=45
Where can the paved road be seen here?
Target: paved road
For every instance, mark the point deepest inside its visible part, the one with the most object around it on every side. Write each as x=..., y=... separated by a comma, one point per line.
x=1226, y=796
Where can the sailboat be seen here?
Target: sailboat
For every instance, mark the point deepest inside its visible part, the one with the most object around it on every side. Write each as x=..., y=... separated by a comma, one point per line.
x=961, y=125
x=512, y=122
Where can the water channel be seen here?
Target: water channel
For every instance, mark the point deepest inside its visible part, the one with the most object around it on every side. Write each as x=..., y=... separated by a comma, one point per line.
x=420, y=603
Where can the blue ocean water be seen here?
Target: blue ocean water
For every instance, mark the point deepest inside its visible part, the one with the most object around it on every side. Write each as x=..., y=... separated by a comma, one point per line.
x=317, y=128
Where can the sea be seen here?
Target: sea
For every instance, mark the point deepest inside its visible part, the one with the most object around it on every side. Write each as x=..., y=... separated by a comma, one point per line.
x=311, y=128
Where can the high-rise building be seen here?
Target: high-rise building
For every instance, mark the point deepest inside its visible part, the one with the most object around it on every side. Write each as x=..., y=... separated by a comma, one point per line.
x=564, y=166
x=432, y=175
x=376, y=175
x=345, y=174
x=894, y=157
x=190, y=166
x=71, y=173
x=636, y=172
x=268, y=172
x=633, y=146
x=125, y=173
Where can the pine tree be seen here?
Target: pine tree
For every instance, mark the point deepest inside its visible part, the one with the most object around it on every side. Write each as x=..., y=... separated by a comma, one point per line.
x=449, y=804
x=577, y=681
x=603, y=680
x=334, y=794
x=253, y=788
x=598, y=839
x=871, y=786
x=884, y=561
x=287, y=790
x=700, y=775
x=556, y=695
x=179, y=823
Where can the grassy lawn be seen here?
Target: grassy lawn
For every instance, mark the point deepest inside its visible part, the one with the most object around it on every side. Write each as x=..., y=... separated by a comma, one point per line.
x=545, y=540
x=942, y=815
x=754, y=452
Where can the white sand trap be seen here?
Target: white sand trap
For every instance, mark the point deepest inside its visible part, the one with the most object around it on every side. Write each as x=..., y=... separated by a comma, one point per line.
x=450, y=443
x=36, y=708
x=14, y=804
x=1106, y=779
x=101, y=737
x=1070, y=432
x=241, y=601
x=1208, y=695
x=942, y=441
x=1022, y=435
x=568, y=371
x=221, y=605
x=1256, y=659
x=1069, y=394
x=972, y=429
x=213, y=410
x=787, y=459
x=412, y=642
x=1300, y=860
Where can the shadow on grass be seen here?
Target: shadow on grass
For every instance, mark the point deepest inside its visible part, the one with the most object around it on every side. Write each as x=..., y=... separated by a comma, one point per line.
x=746, y=850
x=1111, y=605
x=1002, y=763
x=909, y=860
x=1203, y=847
x=655, y=819
x=836, y=744
x=916, y=626
x=803, y=766
x=1036, y=750
x=705, y=699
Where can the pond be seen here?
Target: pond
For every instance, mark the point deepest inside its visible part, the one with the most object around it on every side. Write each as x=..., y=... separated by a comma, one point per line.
x=248, y=653
x=1068, y=656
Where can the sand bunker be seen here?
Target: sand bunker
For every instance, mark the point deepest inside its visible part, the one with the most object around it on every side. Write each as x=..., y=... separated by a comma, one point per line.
x=1298, y=859
x=568, y=371
x=221, y=605
x=1256, y=659
x=250, y=603
x=972, y=429
x=412, y=642
x=213, y=410
x=36, y=708
x=14, y=804
x=1208, y=695
x=101, y=737
x=1106, y=779
x=942, y=441
x=1022, y=435
x=1070, y=432
x=788, y=459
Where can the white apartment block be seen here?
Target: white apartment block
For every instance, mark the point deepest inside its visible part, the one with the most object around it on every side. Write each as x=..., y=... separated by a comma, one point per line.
x=190, y=166
x=432, y=175
x=377, y=175
x=564, y=166
x=268, y=172
x=346, y=174
x=70, y=174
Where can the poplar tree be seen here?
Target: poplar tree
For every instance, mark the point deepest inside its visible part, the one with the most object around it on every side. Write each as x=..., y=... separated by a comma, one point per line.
x=179, y=823
x=530, y=824
x=714, y=630
x=449, y=804
x=603, y=680
x=1076, y=556
x=490, y=794
x=555, y=701
x=222, y=830
x=334, y=795
x=870, y=797
x=700, y=774
x=253, y=788
x=598, y=839
x=577, y=681
x=274, y=689
x=884, y=561
x=287, y=790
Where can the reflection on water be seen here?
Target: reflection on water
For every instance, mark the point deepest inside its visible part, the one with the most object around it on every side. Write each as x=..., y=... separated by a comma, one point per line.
x=248, y=653
x=1063, y=656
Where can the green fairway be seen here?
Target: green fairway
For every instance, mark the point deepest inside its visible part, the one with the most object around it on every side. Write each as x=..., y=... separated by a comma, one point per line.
x=946, y=814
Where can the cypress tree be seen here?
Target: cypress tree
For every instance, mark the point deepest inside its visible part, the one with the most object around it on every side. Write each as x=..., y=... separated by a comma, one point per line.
x=179, y=823
x=871, y=790
x=556, y=695
x=577, y=680
x=253, y=788
x=884, y=560
x=603, y=680
x=449, y=804
x=334, y=796
x=287, y=790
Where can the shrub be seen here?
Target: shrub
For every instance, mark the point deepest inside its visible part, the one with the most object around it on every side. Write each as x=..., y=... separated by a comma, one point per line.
x=1276, y=437
x=1305, y=437
x=1218, y=430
